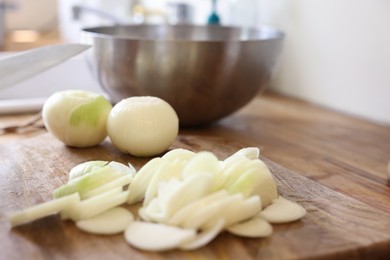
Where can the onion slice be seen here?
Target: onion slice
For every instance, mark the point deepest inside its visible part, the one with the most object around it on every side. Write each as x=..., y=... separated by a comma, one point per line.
x=249, y=152
x=178, y=154
x=254, y=227
x=157, y=237
x=142, y=179
x=117, y=183
x=238, y=212
x=208, y=215
x=204, y=237
x=85, y=168
x=181, y=215
x=190, y=189
x=43, y=210
x=112, y=221
x=98, y=204
x=282, y=211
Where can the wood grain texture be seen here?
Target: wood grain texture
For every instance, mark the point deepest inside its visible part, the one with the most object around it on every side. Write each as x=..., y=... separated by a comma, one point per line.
x=347, y=154
x=336, y=226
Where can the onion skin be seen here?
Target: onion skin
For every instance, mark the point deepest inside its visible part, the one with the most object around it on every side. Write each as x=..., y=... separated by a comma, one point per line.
x=76, y=117
x=142, y=126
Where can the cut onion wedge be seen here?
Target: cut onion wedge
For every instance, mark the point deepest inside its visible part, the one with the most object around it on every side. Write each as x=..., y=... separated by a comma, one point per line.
x=98, y=204
x=43, y=210
x=112, y=221
x=254, y=227
x=88, y=182
x=190, y=189
x=174, y=194
x=157, y=237
x=209, y=215
x=249, y=152
x=282, y=211
x=247, y=181
x=85, y=168
x=266, y=186
x=153, y=212
x=181, y=215
x=142, y=179
x=204, y=237
x=178, y=154
x=237, y=212
x=202, y=162
x=165, y=171
x=127, y=169
x=117, y=183
x=233, y=167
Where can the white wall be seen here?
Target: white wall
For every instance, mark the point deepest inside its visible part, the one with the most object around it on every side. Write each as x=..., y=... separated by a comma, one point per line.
x=336, y=53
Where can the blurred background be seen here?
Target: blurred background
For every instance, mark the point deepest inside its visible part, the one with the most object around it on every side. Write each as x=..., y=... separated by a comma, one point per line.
x=336, y=52
x=40, y=21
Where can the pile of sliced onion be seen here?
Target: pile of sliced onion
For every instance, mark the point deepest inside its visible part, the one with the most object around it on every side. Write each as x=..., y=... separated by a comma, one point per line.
x=187, y=199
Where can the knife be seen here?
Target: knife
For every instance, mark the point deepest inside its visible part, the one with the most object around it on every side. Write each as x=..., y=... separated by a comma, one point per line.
x=22, y=66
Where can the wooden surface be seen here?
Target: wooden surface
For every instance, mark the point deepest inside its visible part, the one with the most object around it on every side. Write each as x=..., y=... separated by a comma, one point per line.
x=347, y=198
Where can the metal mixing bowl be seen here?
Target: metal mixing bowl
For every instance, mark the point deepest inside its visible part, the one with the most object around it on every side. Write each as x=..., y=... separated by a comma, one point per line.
x=204, y=72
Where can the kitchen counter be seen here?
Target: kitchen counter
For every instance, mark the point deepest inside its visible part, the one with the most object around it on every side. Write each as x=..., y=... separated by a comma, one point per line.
x=348, y=155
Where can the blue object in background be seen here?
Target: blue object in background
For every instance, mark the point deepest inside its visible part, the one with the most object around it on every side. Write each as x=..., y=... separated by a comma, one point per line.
x=214, y=17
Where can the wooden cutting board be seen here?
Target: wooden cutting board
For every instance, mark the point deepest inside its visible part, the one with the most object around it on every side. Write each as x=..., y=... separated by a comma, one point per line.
x=335, y=227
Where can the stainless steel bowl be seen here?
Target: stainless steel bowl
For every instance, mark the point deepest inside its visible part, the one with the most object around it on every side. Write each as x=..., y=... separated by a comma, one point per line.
x=204, y=72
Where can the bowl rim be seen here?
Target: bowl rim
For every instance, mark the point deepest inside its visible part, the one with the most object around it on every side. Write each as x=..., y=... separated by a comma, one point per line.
x=266, y=33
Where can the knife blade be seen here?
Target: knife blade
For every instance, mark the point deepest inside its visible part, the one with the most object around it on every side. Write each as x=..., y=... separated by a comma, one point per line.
x=22, y=66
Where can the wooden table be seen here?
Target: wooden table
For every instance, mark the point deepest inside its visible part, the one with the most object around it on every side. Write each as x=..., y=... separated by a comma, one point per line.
x=350, y=156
